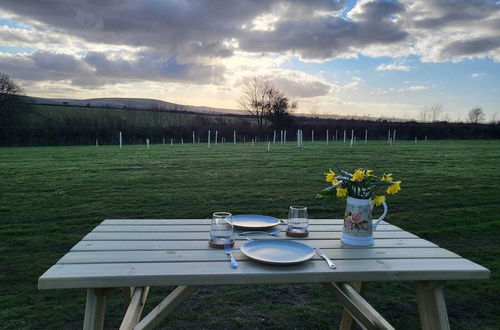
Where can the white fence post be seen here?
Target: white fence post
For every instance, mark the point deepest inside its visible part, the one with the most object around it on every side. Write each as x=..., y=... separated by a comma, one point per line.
x=366, y=135
x=274, y=136
x=147, y=143
x=216, y=138
x=352, y=137
x=121, y=144
x=312, y=136
x=171, y=142
x=96, y=143
x=394, y=136
x=182, y=141
x=389, y=136
x=344, y=135
x=194, y=140
x=336, y=139
x=326, y=137
x=268, y=146
x=284, y=137
x=234, y=137
x=208, y=138
x=163, y=140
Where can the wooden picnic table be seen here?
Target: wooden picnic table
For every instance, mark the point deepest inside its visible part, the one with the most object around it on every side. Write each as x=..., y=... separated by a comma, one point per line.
x=141, y=253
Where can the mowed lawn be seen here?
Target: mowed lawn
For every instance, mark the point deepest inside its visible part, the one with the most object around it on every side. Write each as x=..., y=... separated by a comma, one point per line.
x=52, y=196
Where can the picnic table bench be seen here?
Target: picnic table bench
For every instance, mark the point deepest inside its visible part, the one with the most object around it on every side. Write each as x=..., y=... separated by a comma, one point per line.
x=135, y=254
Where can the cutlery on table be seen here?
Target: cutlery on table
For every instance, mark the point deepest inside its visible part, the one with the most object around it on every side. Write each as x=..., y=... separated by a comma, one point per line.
x=324, y=256
x=227, y=250
x=260, y=232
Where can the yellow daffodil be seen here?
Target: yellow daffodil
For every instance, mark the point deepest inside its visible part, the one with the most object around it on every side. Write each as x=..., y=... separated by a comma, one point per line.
x=386, y=177
x=330, y=177
x=358, y=175
x=341, y=192
x=377, y=201
x=394, y=188
x=368, y=172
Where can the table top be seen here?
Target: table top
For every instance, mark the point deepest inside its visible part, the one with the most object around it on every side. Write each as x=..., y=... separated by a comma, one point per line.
x=154, y=252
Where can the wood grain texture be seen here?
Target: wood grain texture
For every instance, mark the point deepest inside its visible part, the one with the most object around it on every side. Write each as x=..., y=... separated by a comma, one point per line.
x=220, y=273
x=432, y=306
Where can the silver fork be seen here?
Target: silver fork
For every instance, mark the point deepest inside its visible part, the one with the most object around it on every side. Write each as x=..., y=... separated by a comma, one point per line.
x=260, y=232
x=227, y=250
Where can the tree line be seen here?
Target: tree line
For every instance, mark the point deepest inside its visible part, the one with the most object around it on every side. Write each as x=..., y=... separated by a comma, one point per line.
x=268, y=110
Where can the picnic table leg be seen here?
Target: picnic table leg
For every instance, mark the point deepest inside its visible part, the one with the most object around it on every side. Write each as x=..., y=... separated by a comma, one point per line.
x=432, y=306
x=94, y=309
x=166, y=307
x=346, y=323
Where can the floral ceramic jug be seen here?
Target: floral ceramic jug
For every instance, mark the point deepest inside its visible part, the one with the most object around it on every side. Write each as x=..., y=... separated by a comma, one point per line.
x=358, y=222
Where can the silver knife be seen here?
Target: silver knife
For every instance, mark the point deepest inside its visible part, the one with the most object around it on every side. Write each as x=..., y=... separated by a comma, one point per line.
x=324, y=256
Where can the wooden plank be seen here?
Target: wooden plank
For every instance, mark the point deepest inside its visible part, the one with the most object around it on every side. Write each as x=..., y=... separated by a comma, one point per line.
x=361, y=318
x=166, y=307
x=432, y=306
x=114, y=222
x=346, y=322
x=365, y=307
x=206, y=228
x=94, y=309
x=183, y=236
x=216, y=255
x=134, y=310
x=220, y=273
x=203, y=244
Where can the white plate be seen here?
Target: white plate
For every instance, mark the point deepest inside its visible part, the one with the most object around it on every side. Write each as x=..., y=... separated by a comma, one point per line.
x=253, y=221
x=280, y=252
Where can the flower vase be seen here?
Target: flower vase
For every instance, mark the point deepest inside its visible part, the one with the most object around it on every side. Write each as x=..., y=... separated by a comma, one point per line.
x=358, y=222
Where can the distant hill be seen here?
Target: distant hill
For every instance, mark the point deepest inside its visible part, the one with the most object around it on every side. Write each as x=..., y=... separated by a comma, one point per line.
x=133, y=104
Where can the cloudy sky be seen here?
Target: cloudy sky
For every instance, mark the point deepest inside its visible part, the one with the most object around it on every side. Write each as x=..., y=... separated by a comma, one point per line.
x=364, y=57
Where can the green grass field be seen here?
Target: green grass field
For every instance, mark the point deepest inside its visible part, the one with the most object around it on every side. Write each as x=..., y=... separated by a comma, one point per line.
x=52, y=196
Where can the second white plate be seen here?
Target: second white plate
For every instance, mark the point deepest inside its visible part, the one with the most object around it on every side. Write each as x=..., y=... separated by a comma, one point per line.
x=253, y=221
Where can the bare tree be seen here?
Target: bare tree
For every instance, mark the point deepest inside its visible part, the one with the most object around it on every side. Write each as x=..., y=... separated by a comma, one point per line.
x=254, y=99
x=435, y=112
x=424, y=114
x=476, y=115
x=8, y=89
x=314, y=110
x=9, y=95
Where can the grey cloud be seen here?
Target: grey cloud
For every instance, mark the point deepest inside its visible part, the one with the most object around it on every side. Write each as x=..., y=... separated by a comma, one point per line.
x=173, y=38
x=199, y=28
x=296, y=88
x=41, y=66
x=168, y=25
x=56, y=62
x=95, y=69
x=151, y=66
x=471, y=47
x=328, y=36
x=456, y=12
